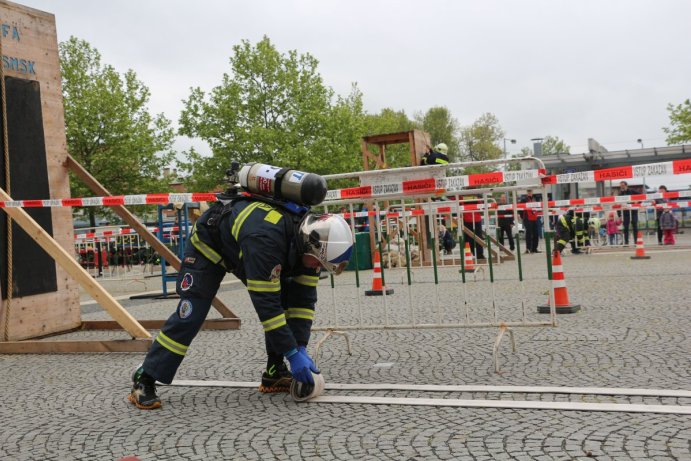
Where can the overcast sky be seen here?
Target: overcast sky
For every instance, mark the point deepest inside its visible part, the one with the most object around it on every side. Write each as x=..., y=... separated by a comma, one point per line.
x=574, y=69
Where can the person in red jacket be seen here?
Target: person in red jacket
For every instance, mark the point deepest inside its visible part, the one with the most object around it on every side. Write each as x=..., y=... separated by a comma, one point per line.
x=473, y=221
x=530, y=223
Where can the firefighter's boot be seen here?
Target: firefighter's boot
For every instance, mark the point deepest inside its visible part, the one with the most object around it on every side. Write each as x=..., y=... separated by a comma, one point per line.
x=276, y=378
x=143, y=393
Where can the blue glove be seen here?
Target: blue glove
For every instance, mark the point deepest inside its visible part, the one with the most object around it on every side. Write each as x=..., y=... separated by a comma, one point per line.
x=301, y=365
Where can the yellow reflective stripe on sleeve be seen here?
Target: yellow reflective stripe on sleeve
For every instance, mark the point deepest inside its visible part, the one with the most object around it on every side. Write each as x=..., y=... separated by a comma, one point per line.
x=274, y=322
x=264, y=285
x=273, y=216
x=299, y=313
x=309, y=280
x=440, y=161
x=208, y=252
x=563, y=242
x=172, y=346
x=241, y=218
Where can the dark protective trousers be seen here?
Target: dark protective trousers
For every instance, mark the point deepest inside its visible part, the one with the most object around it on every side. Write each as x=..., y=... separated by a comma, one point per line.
x=505, y=228
x=630, y=218
x=531, y=235
x=475, y=248
x=197, y=283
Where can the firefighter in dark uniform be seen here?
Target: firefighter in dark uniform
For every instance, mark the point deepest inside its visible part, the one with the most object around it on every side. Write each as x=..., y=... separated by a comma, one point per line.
x=580, y=234
x=277, y=255
x=564, y=232
x=436, y=156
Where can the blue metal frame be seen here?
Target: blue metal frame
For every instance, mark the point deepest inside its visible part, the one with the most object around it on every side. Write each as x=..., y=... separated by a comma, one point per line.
x=183, y=232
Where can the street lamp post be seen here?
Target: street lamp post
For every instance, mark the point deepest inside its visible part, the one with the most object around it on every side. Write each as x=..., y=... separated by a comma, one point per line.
x=640, y=141
x=512, y=141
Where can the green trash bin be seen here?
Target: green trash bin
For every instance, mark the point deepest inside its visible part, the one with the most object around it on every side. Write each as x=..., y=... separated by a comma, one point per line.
x=364, y=253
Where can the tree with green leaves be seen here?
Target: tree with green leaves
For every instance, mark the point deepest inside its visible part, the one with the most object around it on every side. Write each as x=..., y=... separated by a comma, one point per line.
x=110, y=131
x=480, y=141
x=552, y=145
x=272, y=108
x=442, y=127
x=680, y=120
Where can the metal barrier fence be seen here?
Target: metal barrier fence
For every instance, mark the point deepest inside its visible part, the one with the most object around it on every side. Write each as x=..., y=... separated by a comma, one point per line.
x=431, y=292
x=117, y=253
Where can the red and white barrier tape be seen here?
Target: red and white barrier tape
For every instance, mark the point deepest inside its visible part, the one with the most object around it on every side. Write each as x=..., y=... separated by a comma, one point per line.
x=142, y=199
x=123, y=231
x=457, y=183
x=417, y=186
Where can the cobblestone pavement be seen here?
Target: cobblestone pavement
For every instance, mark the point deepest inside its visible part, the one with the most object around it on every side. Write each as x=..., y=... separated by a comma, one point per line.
x=632, y=331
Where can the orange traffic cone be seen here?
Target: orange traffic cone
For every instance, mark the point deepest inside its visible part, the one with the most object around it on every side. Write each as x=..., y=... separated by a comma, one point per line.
x=469, y=264
x=561, y=295
x=377, y=288
x=640, y=248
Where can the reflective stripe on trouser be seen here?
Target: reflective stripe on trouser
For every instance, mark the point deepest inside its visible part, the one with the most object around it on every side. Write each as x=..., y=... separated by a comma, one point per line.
x=300, y=322
x=197, y=284
x=166, y=354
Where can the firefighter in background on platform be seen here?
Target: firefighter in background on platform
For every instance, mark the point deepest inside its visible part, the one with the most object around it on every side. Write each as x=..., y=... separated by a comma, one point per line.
x=530, y=223
x=564, y=232
x=436, y=156
x=277, y=255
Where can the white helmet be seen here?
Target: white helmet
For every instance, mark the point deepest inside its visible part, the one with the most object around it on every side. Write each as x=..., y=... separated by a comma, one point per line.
x=441, y=147
x=328, y=238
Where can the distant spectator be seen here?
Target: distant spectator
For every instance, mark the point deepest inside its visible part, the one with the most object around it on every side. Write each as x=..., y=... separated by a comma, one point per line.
x=505, y=223
x=612, y=226
x=473, y=221
x=446, y=240
x=630, y=216
x=668, y=224
x=658, y=212
x=530, y=223
x=594, y=227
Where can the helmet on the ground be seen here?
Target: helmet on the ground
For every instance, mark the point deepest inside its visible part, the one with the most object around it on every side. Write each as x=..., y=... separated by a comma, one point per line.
x=441, y=147
x=328, y=238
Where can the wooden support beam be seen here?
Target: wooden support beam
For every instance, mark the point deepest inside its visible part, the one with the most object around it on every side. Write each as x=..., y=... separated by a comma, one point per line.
x=480, y=241
x=96, y=187
x=72, y=267
x=210, y=324
x=62, y=347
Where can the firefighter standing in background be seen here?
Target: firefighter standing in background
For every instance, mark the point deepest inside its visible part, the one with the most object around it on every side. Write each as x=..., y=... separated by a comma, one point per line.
x=277, y=254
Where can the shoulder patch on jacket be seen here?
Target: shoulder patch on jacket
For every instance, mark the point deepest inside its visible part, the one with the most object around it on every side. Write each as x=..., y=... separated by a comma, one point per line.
x=276, y=273
x=273, y=217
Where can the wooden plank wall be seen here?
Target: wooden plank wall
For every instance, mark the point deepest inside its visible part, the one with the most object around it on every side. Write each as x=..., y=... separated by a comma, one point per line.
x=30, y=51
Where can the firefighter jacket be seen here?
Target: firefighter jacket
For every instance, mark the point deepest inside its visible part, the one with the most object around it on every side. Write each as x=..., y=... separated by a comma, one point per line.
x=564, y=231
x=434, y=158
x=258, y=243
x=579, y=230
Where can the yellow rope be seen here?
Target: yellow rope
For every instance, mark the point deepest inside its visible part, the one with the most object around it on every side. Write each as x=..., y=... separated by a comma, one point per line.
x=8, y=189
